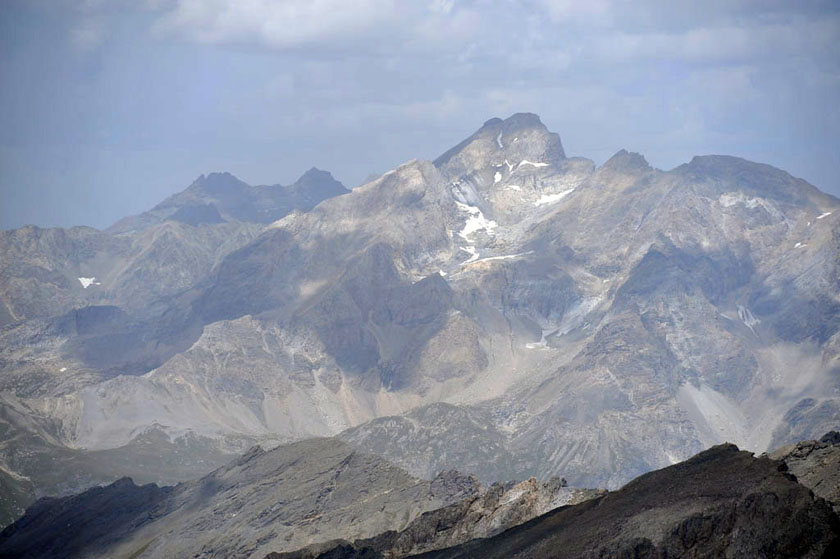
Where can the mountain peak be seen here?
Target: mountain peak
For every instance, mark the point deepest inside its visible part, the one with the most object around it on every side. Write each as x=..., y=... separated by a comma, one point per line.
x=725, y=172
x=520, y=137
x=516, y=121
x=318, y=180
x=523, y=120
x=627, y=161
x=218, y=183
x=315, y=172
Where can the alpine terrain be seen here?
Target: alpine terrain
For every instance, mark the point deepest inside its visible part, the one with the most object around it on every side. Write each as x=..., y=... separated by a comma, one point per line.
x=505, y=310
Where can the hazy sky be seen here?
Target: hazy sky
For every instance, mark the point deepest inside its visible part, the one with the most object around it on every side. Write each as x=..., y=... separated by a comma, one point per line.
x=108, y=106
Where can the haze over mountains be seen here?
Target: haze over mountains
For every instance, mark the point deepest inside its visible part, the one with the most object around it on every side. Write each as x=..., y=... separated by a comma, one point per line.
x=505, y=310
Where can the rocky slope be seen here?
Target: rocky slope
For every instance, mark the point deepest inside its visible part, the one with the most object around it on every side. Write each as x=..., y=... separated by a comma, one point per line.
x=79, y=306
x=566, y=319
x=816, y=464
x=298, y=494
x=721, y=503
x=325, y=500
x=500, y=507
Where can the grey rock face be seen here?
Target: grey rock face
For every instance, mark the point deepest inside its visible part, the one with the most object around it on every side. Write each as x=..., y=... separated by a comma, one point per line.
x=435, y=438
x=816, y=465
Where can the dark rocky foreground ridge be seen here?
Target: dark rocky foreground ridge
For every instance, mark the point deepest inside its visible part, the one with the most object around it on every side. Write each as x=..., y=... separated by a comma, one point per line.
x=341, y=503
x=305, y=492
x=722, y=502
x=290, y=496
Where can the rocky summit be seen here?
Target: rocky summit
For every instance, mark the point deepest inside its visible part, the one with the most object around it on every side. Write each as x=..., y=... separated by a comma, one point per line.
x=507, y=310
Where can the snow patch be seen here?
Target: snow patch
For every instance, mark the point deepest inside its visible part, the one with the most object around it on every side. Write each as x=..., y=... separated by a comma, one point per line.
x=526, y=162
x=499, y=140
x=800, y=245
x=747, y=317
x=472, y=252
x=505, y=257
x=826, y=214
x=475, y=222
x=552, y=198
x=61, y=370
x=497, y=177
x=514, y=187
x=87, y=282
x=731, y=198
x=542, y=344
x=442, y=273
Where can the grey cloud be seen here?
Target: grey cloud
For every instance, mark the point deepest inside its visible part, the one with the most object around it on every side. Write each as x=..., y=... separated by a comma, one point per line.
x=267, y=89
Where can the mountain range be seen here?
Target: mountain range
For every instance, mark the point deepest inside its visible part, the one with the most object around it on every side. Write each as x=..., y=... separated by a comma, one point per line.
x=504, y=310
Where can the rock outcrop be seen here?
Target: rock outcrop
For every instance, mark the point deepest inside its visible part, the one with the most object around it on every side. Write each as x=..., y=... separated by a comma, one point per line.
x=721, y=503
x=498, y=508
x=816, y=464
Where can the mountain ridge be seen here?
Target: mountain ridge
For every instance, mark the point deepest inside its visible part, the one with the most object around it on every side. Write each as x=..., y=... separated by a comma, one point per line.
x=601, y=321
x=338, y=502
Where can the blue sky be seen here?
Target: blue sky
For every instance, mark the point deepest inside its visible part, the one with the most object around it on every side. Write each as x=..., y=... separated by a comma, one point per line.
x=108, y=106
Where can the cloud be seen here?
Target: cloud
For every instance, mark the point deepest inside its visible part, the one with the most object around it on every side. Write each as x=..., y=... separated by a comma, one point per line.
x=88, y=33
x=326, y=24
x=280, y=24
x=727, y=42
x=360, y=85
x=591, y=12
